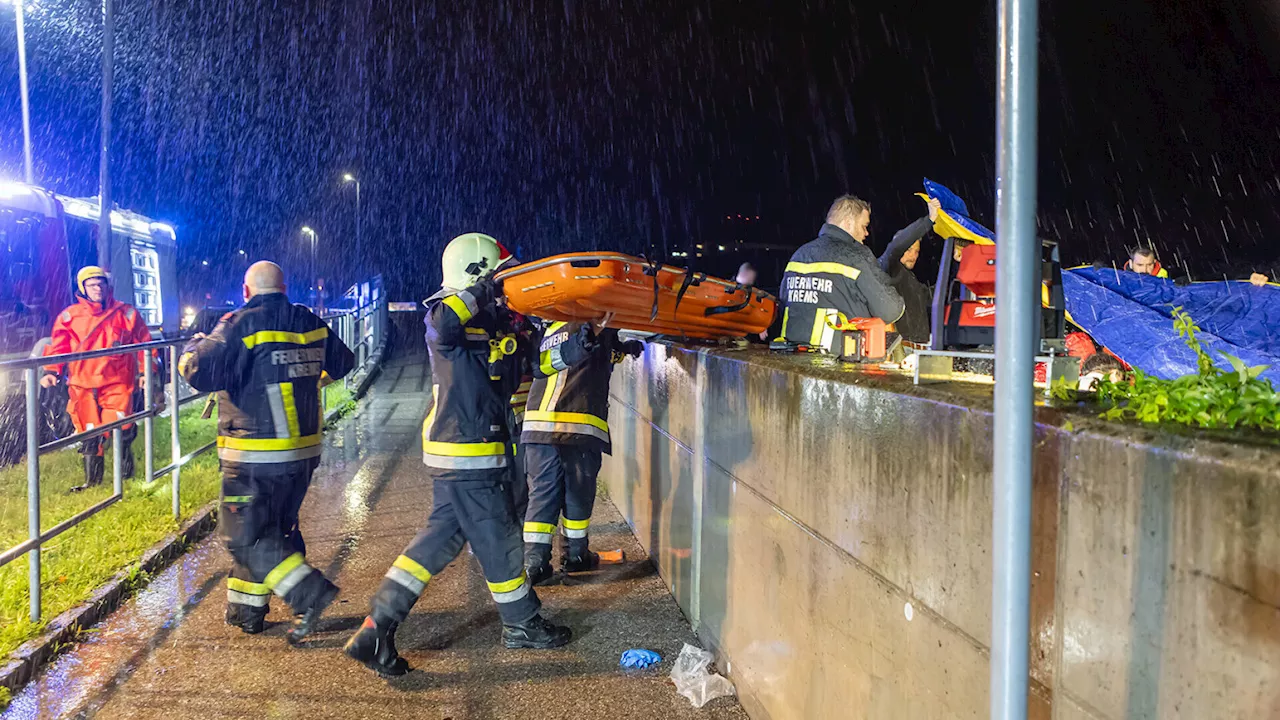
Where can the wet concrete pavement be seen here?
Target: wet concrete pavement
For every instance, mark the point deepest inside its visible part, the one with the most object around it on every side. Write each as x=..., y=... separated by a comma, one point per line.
x=168, y=654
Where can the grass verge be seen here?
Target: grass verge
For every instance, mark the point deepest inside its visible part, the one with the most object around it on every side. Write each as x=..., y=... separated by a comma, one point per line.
x=339, y=397
x=79, y=561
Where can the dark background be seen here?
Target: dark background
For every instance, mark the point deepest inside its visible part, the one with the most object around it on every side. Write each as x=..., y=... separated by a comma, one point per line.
x=646, y=126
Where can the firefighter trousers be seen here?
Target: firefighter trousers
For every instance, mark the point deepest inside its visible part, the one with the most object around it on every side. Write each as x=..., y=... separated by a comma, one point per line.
x=471, y=510
x=93, y=407
x=258, y=522
x=519, y=482
x=562, y=481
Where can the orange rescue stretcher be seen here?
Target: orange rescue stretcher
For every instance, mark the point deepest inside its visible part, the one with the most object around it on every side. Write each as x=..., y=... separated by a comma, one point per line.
x=632, y=293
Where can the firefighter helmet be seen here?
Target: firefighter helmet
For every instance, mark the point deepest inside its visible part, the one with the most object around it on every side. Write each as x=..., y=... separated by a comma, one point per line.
x=469, y=257
x=88, y=273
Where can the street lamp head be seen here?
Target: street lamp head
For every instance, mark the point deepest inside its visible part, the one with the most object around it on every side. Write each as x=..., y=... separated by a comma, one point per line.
x=306, y=230
x=348, y=178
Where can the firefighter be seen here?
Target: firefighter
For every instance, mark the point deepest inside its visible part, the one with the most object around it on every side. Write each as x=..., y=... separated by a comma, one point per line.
x=566, y=430
x=522, y=379
x=466, y=449
x=266, y=361
x=100, y=389
x=836, y=277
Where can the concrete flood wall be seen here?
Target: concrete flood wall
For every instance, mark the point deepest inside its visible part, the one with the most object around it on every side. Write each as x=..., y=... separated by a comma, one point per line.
x=828, y=533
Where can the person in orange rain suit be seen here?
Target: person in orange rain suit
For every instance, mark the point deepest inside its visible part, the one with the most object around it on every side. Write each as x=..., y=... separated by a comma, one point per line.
x=100, y=389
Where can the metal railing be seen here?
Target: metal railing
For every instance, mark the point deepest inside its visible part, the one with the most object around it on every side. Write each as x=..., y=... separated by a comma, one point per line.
x=31, y=370
x=363, y=326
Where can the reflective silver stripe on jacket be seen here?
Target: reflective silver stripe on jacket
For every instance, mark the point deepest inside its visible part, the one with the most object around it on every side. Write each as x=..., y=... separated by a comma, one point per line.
x=470, y=301
x=543, y=426
x=291, y=580
x=476, y=462
x=275, y=399
x=267, y=456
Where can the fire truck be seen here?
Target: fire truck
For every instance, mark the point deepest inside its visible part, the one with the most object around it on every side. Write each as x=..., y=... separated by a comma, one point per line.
x=44, y=239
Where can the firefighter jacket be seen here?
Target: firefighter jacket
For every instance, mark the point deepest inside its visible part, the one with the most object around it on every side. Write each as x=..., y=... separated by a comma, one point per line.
x=93, y=326
x=265, y=361
x=569, y=400
x=466, y=429
x=830, y=277
x=521, y=379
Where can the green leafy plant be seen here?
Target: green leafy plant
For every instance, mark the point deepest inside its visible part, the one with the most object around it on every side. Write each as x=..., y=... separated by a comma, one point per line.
x=1209, y=398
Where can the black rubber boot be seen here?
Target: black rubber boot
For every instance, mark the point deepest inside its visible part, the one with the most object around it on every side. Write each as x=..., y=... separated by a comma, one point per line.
x=250, y=623
x=579, y=561
x=537, y=563
x=94, y=466
x=536, y=633
x=375, y=648
x=126, y=460
x=305, y=624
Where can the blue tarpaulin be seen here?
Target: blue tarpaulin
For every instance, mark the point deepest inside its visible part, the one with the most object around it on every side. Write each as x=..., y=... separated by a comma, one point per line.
x=1132, y=315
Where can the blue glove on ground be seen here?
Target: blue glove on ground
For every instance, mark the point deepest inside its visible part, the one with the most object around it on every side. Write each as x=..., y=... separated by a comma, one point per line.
x=637, y=658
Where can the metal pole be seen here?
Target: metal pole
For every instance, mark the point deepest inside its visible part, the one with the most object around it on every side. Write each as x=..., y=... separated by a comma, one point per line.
x=117, y=479
x=104, y=169
x=359, y=228
x=33, y=492
x=148, y=427
x=28, y=172
x=1017, y=275
x=176, y=447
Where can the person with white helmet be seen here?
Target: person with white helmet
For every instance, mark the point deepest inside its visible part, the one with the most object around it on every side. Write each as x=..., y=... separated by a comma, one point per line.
x=467, y=450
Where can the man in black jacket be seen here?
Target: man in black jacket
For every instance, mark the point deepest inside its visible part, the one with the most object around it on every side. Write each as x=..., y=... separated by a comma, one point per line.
x=899, y=261
x=265, y=361
x=835, y=278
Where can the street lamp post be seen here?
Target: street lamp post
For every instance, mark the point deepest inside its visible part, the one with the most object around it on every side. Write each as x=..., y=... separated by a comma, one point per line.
x=308, y=232
x=104, y=168
x=19, y=12
x=347, y=179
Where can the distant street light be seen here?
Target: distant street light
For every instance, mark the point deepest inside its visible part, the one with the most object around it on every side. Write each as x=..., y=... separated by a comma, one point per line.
x=204, y=263
x=347, y=179
x=19, y=12
x=308, y=232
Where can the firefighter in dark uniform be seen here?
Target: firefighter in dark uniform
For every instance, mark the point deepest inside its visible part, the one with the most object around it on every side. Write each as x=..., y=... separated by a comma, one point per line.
x=266, y=362
x=836, y=278
x=522, y=381
x=566, y=430
x=467, y=451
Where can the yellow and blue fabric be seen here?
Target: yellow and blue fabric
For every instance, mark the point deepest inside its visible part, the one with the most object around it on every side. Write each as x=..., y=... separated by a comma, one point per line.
x=953, y=219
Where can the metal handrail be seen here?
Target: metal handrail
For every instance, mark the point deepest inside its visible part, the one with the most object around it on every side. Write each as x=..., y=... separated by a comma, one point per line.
x=360, y=328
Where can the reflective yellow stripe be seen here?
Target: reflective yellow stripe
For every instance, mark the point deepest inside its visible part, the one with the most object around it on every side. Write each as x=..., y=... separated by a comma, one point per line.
x=507, y=586
x=281, y=336
x=290, y=409
x=269, y=443
x=548, y=392
x=786, y=315
x=538, y=527
x=236, y=499
x=819, y=326
x=575, y=524
x=431, y=416
x=545, y=364
x=183, y=361
x=449, y=449
x=824, y=267
x=459, y=308
x=245, y=586
x=408, y=565
x=582, y=418
x=287, y=566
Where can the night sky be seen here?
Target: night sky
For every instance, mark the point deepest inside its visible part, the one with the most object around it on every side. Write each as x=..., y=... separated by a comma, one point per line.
x=639, y=126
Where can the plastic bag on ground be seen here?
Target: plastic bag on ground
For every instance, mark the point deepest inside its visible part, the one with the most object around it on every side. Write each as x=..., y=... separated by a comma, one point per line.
x=694, y=681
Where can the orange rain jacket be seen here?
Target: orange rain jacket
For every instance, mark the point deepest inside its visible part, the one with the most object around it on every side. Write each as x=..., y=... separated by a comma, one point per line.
x=94, y=326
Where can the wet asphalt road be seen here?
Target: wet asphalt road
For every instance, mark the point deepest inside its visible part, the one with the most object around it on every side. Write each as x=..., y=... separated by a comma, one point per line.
x=168, y=654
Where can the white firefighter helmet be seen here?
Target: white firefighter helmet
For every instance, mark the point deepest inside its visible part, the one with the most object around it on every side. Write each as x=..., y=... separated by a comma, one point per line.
x=469, y=257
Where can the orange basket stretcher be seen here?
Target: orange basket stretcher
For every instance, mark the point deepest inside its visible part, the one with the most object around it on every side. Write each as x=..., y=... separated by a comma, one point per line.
x=631, y=293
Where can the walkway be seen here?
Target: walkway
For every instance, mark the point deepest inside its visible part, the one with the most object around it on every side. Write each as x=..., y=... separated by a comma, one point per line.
x=168, y=654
